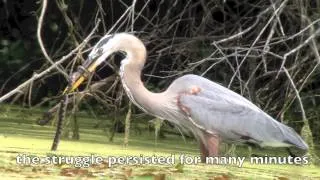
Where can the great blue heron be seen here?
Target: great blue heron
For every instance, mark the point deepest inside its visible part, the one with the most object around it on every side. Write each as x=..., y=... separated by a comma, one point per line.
x=210, y=111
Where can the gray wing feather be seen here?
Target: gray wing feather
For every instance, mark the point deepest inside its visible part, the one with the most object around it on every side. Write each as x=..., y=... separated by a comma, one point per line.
x=233, y=117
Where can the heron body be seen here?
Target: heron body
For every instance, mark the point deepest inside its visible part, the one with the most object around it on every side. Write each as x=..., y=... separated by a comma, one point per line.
x=210, y=111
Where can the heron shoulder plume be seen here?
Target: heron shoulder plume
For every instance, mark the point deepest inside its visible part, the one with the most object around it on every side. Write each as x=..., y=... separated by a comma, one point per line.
x=212, y=112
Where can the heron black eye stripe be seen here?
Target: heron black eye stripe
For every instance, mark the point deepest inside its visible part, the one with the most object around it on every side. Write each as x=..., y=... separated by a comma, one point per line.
x=103, y=41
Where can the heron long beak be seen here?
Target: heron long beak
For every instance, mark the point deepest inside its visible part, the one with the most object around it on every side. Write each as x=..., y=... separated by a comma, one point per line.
x=83, y=72
x=81, y=75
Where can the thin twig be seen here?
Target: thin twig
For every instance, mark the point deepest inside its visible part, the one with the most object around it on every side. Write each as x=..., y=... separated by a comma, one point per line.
x=43, y=49
x=37, y=76
x=310, y=38
x=304, y=117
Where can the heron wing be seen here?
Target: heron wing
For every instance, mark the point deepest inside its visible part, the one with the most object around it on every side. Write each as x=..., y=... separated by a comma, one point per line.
x=222, y=111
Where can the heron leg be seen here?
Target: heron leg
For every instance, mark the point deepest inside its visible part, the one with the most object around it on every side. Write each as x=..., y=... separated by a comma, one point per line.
x=204, y=152
x=210, y=148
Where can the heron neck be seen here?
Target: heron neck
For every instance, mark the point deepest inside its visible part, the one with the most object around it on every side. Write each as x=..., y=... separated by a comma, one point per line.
x=131, y=69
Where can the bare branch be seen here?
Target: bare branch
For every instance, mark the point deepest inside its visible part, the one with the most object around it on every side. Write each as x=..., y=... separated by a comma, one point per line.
x=37, y=76
x=43, y=49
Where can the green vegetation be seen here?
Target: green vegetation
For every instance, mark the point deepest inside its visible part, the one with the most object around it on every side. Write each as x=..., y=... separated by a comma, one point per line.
x=19, y=134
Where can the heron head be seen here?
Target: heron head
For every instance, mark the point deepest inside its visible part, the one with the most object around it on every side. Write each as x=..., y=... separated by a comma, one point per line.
x=102, y=50
x=105, y=47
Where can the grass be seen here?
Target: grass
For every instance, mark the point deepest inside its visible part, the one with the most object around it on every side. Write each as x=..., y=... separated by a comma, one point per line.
x=19, y=135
